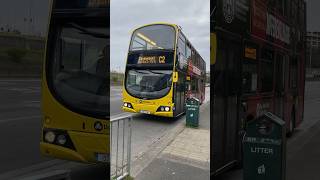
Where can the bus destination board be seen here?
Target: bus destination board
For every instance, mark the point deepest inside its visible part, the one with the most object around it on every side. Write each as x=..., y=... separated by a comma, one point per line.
x=150, y=58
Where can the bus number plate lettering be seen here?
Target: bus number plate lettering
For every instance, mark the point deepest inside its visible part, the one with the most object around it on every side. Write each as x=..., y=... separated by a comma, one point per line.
x=102, y=157
x=145, y=112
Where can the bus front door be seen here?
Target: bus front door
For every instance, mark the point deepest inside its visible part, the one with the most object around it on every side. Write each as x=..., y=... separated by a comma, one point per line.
x=279, y=86
x=226, y=106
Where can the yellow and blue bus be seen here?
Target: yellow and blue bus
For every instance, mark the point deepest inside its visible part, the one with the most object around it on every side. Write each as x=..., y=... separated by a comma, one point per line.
x=74, y=84
x=163, y=69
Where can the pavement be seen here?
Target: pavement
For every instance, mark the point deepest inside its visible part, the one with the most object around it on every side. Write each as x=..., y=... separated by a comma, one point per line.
x=186, y=157
x=303, y=149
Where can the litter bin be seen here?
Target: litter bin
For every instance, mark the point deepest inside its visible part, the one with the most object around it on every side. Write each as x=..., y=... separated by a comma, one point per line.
x=192, y=112
x=264, y=149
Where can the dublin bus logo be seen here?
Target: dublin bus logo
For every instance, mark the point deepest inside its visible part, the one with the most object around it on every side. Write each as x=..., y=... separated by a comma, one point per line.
x=228, y=10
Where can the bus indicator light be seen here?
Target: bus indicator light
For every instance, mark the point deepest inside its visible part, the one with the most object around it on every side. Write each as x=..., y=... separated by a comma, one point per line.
x=47, y=120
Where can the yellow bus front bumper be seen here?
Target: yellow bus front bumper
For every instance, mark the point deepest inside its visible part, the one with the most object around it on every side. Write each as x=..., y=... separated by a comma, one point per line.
x=86, y=145
x=151, y=109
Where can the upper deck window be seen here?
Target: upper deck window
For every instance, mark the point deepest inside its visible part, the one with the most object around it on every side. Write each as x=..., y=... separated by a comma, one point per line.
x=153, y=37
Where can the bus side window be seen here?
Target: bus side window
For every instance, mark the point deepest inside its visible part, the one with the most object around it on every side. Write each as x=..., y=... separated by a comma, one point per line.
x=182, y=45
x=293, y=72
x=70, y=59
x=267, y=70
x=188, y=53
x=249, y=76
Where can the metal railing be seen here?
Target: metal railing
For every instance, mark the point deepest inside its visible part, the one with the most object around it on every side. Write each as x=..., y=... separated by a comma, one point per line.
x=120, y=138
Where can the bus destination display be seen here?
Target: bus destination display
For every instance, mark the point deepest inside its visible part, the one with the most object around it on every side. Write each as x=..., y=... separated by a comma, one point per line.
x=152, y=60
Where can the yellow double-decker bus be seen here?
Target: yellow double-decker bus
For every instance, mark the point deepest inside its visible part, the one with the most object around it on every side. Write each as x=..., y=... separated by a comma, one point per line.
x=162, y=70
x=75, y=84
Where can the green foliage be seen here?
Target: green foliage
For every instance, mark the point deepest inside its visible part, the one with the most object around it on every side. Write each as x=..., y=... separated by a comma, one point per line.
x=16, y=54
x=115, y=79
x=129, y=178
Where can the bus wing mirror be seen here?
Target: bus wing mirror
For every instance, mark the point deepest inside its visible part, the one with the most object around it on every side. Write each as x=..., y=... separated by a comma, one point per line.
x=175, y=77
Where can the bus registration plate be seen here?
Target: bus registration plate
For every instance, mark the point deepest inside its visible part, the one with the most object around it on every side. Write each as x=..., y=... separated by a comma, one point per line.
x=102, y=157
x=145, y=112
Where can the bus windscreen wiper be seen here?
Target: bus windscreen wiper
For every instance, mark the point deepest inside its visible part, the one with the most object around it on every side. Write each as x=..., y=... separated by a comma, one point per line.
x=155, y=72
x=141, y=72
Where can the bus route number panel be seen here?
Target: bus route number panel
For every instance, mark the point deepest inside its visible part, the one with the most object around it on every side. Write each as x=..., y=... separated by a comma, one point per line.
x=149, y=59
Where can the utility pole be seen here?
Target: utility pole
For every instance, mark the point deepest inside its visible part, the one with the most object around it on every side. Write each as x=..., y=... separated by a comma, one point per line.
x=30, y=20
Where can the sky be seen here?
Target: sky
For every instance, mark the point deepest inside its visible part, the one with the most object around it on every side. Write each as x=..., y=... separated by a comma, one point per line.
x=313, y=15
x=126, y=15
x=16, y=14
x=13, y=12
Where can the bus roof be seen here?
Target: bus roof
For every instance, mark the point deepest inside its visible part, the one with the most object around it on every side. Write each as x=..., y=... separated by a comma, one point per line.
x=157, y=23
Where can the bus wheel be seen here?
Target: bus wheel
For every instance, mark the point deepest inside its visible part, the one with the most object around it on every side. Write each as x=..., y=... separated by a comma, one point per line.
x=291, y=124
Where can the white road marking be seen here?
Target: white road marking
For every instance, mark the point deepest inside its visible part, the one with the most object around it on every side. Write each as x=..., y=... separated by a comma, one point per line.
x=18, y=119
x=33, y=168
x=20, y=80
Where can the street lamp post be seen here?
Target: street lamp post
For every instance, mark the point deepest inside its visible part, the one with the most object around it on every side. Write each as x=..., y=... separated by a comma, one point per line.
x=310, y=57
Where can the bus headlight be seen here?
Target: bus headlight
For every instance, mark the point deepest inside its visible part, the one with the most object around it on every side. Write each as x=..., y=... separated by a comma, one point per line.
x=128, y=105
x=163, y=109
x=58, y=137
x=61, y=139
x=50, y=136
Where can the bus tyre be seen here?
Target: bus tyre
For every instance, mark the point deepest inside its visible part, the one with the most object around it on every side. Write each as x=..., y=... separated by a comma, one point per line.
x=291, y=124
